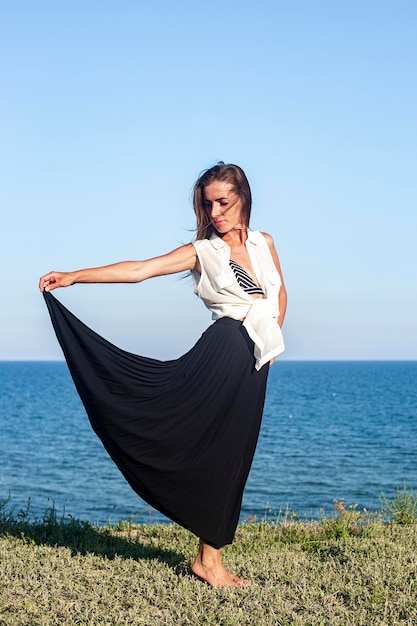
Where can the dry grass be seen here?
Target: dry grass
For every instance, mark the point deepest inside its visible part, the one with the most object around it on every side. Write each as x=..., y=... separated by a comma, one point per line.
x=344, y=570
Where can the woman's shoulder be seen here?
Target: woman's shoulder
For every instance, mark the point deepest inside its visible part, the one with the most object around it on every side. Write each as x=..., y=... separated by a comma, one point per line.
x=214, y=243
x=261, y=237
x=200, y=244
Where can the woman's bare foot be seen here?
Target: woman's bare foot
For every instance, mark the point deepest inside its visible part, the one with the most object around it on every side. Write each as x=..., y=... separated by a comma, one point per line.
x=208, y=566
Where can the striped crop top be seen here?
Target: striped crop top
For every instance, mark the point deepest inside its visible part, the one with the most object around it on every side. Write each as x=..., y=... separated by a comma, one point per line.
x=245, y=281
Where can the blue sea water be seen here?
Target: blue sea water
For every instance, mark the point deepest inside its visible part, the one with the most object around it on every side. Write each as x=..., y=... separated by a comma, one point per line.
x=331, y=430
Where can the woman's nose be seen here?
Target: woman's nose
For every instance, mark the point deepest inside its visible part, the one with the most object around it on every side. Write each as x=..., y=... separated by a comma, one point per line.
x=215, y=209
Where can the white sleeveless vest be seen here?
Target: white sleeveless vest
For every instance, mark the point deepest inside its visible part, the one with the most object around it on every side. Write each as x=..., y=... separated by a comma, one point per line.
x=218, y=288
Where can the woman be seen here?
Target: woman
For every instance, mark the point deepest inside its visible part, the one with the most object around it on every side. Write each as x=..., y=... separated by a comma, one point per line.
x=184, y=432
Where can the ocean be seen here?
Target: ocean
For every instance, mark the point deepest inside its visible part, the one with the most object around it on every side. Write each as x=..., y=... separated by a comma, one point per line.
x=339, y=430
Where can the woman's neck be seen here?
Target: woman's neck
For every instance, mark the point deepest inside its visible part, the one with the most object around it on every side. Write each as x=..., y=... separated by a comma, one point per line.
x=236, y=236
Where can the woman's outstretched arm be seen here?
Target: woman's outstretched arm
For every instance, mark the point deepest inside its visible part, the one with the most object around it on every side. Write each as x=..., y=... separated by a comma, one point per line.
x=179, y=260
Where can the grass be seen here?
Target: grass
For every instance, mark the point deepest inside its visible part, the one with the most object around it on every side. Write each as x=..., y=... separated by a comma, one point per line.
x=351, y=569
x=402, y=509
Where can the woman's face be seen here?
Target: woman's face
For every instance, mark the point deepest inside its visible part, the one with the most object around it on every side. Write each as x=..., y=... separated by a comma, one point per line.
x=223, y=206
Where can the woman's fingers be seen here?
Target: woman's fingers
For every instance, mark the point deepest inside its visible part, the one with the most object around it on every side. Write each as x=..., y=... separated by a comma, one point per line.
x=52, y=280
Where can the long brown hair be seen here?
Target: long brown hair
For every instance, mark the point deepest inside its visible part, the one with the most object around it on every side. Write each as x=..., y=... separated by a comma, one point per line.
x=227, y=173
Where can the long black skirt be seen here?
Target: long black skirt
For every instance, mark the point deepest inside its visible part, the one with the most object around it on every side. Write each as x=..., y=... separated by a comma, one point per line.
x=182, y=432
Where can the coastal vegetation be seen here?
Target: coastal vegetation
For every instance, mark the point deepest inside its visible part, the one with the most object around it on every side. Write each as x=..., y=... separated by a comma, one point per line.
x=351, y=568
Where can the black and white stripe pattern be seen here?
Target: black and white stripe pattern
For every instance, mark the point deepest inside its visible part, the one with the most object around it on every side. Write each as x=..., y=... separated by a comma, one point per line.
x=245, y=281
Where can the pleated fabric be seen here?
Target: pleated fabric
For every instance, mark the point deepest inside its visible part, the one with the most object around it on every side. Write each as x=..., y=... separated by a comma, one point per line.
x=182, y=432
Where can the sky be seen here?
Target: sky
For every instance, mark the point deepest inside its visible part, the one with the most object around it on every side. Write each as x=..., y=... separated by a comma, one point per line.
x=111, y=109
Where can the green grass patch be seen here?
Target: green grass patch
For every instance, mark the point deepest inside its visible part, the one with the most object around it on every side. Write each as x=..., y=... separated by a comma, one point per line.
x=402, y=508
x=350, y=569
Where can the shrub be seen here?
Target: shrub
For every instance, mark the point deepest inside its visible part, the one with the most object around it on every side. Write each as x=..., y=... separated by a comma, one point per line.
x=402, y=509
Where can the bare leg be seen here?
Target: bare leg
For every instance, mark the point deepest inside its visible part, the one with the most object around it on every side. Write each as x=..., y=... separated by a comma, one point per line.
x=209, y=567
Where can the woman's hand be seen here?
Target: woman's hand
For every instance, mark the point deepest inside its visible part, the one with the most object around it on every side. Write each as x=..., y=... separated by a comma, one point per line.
x=53, y=280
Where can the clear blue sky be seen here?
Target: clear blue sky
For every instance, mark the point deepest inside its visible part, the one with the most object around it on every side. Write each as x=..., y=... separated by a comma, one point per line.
x=109, y=110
